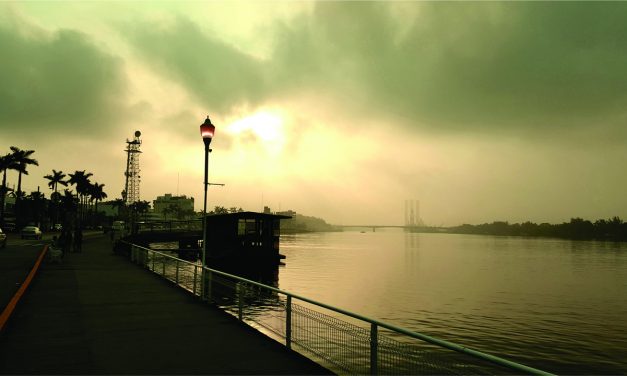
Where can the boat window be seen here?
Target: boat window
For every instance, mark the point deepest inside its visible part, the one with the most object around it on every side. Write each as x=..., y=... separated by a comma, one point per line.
x=251, y=227
x=241, y=227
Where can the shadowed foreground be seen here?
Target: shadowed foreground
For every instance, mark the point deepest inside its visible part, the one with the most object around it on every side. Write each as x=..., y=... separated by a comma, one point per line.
x=99, y=314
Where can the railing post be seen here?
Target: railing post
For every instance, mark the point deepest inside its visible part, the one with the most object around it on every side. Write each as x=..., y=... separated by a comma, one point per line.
x=288, y=322
x=240, y=301
x=177, y=272
x=204, y=286
x=163, y=262
x=374, y=349
x=209, y=276
x=195, y=277
x=153, y=261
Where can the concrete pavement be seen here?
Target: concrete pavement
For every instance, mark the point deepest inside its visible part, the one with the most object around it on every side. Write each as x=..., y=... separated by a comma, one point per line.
x=97, y=313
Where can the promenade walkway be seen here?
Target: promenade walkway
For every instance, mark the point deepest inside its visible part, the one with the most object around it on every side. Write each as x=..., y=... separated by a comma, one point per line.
x=97, y=313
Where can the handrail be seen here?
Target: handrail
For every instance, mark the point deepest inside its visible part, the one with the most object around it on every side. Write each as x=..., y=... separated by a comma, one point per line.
x=449, y=345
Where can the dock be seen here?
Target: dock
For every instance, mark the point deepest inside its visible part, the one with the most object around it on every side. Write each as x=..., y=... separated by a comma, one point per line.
x=97, y=313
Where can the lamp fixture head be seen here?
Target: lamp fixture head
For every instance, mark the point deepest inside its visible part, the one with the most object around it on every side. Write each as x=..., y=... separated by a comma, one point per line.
x=207, y=130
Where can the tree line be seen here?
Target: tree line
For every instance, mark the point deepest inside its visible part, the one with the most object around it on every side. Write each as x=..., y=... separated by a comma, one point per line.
x=69, y=207
x=578, y=228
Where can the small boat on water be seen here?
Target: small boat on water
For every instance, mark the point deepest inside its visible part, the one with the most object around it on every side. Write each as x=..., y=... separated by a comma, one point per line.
x=243, y=239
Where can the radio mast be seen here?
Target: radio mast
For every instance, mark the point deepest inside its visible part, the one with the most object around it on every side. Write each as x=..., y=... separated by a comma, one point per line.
x=131, y=187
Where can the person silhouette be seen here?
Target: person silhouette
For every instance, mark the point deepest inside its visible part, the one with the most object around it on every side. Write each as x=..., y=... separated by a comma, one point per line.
x=78, y=240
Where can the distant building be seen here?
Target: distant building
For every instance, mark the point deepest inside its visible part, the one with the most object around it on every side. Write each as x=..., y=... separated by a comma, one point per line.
x=267, y=210
x=169, y=206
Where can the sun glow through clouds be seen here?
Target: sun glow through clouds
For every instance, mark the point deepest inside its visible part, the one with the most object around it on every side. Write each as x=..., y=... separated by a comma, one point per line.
x=265, y=125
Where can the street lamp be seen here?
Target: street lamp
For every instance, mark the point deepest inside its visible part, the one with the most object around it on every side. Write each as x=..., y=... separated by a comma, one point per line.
x=206, y=131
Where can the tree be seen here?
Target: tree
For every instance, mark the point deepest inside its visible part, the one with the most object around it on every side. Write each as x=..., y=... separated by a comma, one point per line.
x=170, y=209
x=219, y=210
x=80, y=180
x=21, y=160
x=120, y=205
x=55, y=179
x=37, y=206
x=140, y=207
x=96, y=194
x=69, y=207
x=6, y=163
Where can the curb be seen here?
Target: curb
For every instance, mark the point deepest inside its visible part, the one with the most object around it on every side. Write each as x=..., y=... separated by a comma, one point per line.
x=8, y=310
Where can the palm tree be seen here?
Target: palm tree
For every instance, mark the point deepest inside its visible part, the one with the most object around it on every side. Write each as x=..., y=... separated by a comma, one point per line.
x=38, y=204
x=55, y=179
x=97, y=194
x=69, y=205
x=80, y=180
x=6, y=163
x=21, y=160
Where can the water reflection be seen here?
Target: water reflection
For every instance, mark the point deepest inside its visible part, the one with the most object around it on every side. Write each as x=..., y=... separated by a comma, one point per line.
x=554, y=304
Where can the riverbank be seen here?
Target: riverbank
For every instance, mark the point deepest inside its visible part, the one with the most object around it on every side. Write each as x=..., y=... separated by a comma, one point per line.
x=300, y=224
x=613, y=229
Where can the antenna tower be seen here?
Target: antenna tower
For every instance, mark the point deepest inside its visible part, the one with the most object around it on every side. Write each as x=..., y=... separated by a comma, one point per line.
x=131, y=188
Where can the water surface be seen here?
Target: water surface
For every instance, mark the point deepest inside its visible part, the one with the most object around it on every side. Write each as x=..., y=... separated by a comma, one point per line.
x=552, y=304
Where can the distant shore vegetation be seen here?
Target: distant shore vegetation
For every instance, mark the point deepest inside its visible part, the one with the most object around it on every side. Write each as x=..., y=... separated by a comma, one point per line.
x=302, y=223
x=581, y=229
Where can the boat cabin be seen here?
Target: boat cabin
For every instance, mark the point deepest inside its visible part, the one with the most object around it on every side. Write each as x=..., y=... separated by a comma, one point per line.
x=244, y=237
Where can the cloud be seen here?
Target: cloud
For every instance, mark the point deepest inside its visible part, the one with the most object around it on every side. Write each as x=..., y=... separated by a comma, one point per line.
x=59, y=81
x=216, y=73
x=471, y=67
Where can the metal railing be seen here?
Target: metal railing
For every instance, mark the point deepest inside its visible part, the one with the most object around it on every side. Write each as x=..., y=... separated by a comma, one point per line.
x=343, y=341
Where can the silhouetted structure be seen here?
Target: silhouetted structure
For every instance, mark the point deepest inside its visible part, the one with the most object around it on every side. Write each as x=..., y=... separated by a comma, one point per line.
x=131, y=187
x=234, y=240
x=244, y=238
x=412, y=213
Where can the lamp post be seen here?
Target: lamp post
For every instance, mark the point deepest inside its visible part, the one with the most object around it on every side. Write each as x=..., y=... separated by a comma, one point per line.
x=206, y=131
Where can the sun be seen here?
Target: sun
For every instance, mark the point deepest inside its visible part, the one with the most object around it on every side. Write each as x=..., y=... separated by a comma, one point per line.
x=268, y=128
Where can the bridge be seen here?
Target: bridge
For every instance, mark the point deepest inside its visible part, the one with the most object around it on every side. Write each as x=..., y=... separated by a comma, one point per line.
x=406, y=228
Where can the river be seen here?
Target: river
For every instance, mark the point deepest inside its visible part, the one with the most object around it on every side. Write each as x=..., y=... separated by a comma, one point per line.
x=557, y=305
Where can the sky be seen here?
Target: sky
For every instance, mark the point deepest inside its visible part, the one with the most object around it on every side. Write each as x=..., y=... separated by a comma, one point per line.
x=482, y=111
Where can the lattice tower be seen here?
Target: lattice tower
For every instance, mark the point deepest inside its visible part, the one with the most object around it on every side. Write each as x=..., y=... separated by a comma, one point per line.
x=131, y=187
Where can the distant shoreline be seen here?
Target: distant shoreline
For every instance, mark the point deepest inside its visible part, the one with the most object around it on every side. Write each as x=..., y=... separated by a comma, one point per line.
x=613, y=229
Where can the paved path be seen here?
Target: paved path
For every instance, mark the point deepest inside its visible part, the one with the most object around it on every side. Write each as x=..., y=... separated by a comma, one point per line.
x=99, y=314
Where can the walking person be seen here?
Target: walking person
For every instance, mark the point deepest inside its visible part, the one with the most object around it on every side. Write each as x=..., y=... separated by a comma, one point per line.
x=64, y=242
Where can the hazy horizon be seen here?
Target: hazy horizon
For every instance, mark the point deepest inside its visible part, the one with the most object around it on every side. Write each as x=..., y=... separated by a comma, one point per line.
x=486, y=111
